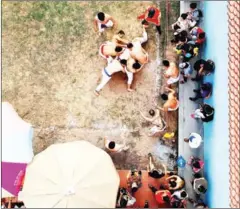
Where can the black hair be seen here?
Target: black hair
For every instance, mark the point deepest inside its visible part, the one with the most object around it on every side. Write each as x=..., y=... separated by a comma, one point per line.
x=121, y=32
x=202, y=189
x=201, y=35
x=136, y=65
x=145, y=22
x=134, y=189
x=151, y=13
x=182, y=38
x=112, y=145
x=184, y=33
x=176, y=204
x=164, y=97
x=193, y=5
x=196, y=164
x=184, y=16
x=151, y=112
x=166, y=199
x=166, y=63
x=123, y=62
x=118, y=49
x=129, y=45
x=183, y=194
x=208, y=109
x=101, y=16
x=176, y=26
x=172, y=183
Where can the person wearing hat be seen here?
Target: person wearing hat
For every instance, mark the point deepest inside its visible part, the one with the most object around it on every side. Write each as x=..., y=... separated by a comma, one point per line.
x=173, y=183
x=205, y=113
x=194, y=140
x=200, y=185
x=152, y=15
x=196, y=164
x=186, y=71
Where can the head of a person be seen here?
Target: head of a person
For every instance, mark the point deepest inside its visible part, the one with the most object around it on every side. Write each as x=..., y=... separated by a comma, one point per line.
x=202, y=189
x=123, y=62
x=196, y=164
x=193, y=6
x=183, y=194
x=151, y=13
x=166, y=199
x=207, y=109
x=184, y=16
x=201, y=35
x=118, y=49
x=164, y=97
x=176, y=27
x=182, y=39
x=151, y=112
x=165, y=64
x=172, y=184
x=136, y=65
x=130, y=46
x=111, y=145
x=176, y=204
x=101, y=16
x=134, y=187
x=123, y=203
x=121, y=33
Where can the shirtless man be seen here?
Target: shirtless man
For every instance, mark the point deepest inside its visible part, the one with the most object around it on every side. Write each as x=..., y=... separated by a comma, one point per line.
x=171, y=72
x=108, y=49
x=102, y=21
x=172, y=103
x=136, y=50
x=119, y=40
x=113, y=147
x=113, y=66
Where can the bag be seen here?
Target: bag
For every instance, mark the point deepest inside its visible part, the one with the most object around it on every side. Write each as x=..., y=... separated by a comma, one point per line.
x=200, y=13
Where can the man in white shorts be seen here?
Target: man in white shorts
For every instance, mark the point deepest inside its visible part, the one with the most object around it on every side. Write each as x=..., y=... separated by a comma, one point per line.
x=102, y=21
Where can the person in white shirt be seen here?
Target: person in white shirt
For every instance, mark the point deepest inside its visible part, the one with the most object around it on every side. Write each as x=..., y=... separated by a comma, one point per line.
x=102, y=21
x=112, y=146
x=194, y=140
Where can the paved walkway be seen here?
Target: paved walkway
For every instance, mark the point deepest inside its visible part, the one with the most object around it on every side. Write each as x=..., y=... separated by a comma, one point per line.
x=187, y=124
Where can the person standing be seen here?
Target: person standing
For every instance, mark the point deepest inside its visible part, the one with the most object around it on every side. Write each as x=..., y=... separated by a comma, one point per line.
x=152, y=15
x=194, y=140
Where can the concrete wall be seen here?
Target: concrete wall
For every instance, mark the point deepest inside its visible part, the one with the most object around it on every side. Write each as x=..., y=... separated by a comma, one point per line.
x=216, y=135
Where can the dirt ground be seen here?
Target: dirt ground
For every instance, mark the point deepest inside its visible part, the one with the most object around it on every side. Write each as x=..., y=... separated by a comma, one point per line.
x=51, y=67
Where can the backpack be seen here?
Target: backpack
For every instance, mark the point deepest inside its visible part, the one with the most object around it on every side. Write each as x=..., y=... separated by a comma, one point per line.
x=200, y=13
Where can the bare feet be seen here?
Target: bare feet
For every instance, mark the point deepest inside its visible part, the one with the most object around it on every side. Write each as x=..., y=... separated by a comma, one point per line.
x=96, y=93
x=130, y=90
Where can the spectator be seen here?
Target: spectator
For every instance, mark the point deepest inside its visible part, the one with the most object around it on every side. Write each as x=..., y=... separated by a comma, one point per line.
x=173, y=183
x=194, y=140
x=171, y=72
x=197, y=36
x=195, y=14
x=181, y=194
x=175, y=202
x=152, y=15
x=186, y=71
x=196, y=164
x=197, y=204
x=114, y=147
x=183, y=23
x=204, y=92
x=205, y=113
x=161, y=196
x=179, y=36
x=199, y=185
x=124, y=198
x=203, y=68
x=186, y=51
x=134, y=180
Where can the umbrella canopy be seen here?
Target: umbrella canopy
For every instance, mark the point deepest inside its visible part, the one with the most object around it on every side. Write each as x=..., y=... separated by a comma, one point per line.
x=16, y=150
x=71, y=175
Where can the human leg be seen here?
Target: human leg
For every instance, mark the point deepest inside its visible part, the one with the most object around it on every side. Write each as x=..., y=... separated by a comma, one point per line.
x=104, y=81
x=158, y=27
x=130, y=79
x=150, y=162
x=198, y=96
x=144, y=38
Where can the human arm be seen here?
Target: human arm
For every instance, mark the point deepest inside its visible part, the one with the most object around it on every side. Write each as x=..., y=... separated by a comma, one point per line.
x=169, y=89
x=114, y=21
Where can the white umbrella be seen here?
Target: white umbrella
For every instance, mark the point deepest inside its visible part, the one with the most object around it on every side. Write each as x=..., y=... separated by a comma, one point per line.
x=71, y=175
x=17, y=149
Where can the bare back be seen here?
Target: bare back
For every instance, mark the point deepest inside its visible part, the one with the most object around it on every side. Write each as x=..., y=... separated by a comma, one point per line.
x=139, y=53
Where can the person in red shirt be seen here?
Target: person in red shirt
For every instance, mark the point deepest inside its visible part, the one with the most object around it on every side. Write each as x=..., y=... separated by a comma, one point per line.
x=152, y=15
x=161, y=196
x=198, y=35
